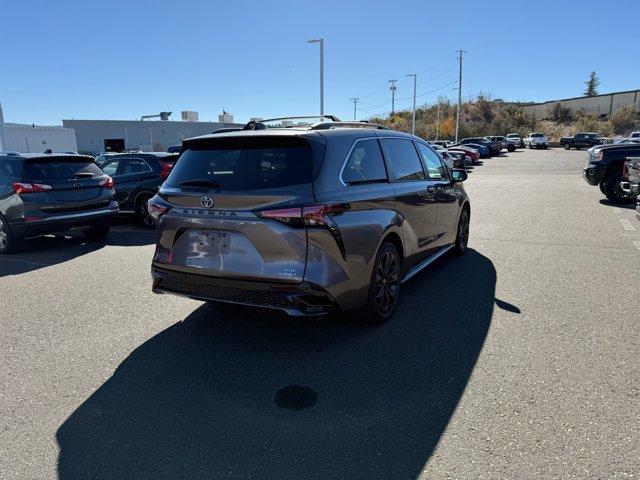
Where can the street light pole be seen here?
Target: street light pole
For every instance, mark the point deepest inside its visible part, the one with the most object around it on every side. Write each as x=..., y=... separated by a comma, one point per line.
x=321, y=42
x=460, y=52
x=413, y=122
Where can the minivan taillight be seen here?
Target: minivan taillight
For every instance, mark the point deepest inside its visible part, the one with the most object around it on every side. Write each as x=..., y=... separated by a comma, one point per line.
x=107, y=182
x=22, y=187
x=310, y=216
x=166, y=170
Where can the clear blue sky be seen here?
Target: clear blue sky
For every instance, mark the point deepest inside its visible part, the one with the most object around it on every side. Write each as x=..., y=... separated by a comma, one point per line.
x=122, y=59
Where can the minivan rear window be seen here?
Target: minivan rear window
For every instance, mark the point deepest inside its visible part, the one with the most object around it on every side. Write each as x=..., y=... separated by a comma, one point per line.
x=65, y=168
x=244, y=164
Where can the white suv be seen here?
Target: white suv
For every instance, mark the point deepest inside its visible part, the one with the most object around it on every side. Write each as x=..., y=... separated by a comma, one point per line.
x=536, y=140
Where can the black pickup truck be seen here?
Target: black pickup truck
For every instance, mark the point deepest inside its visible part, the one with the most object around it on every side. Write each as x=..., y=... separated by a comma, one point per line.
x=579, y=140
x=605, y=168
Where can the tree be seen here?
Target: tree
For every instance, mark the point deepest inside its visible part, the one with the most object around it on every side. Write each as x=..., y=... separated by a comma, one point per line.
x=592, y=85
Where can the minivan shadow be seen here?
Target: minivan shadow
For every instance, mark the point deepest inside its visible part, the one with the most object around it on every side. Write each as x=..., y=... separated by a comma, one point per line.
x=196, y=400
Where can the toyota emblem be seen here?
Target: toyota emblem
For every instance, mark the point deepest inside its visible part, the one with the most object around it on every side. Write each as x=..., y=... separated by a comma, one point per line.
x=206, y=202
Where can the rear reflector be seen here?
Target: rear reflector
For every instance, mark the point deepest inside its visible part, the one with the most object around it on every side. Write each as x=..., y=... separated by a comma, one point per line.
x=21, y=187
x=625, y=169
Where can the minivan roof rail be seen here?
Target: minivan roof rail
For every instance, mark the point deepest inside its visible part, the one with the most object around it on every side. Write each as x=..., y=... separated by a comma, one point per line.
x=261, y=124
x=334, y=122
x=329, y=125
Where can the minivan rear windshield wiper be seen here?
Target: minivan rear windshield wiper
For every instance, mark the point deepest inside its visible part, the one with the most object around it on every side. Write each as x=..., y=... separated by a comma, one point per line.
x=81, y=175
x=200, y=183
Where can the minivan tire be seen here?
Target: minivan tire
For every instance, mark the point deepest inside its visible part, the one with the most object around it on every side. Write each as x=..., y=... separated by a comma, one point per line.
x=97, y=232
x=566, y=146
x=384, y=289
x=8, y=242
x=462, y=237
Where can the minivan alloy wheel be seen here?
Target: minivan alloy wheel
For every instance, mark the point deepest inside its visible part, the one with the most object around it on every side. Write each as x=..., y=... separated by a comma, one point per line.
x=387, y=282
x=462, y=238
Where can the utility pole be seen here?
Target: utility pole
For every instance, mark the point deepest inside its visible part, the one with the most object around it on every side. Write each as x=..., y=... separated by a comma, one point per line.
x=460, y=52
x=438, y=121
x=393, y=89
x=355, y=103
x=321, y=42
x=413, y=122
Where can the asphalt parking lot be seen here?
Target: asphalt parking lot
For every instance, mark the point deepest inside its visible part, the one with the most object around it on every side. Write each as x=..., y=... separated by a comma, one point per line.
x=518, y=360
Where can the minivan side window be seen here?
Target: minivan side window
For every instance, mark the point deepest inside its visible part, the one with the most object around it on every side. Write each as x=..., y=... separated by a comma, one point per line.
x=365, y=163
x=435, y=168
x=402, y=160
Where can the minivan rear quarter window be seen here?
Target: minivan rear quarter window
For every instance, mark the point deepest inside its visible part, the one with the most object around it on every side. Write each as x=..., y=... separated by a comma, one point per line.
x=244, y=163
x=365, y=163
x=402, y=159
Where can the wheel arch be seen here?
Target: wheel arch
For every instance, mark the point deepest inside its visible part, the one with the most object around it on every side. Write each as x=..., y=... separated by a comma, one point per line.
x=139, y=197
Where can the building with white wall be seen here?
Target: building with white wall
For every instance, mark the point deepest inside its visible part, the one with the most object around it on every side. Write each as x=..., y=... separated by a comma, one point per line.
x=37, y=138
x=95, y=136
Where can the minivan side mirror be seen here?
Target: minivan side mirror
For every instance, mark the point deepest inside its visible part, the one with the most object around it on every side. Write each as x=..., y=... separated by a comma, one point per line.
x=459, y=175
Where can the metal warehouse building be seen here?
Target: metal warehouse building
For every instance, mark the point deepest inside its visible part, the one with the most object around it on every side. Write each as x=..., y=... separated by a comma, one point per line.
x=604, y=104
x=95, y=136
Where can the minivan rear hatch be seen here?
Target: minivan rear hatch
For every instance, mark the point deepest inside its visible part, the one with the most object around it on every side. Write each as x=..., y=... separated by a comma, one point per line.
x=236, y=204
x=67, y=183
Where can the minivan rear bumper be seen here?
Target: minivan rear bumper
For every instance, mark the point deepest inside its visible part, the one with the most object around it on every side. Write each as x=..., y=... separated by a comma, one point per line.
x=304, y=299
x=33, y=227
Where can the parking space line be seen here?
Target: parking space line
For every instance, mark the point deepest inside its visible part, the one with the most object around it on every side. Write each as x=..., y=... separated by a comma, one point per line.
x=626, y=224
x=637, y=244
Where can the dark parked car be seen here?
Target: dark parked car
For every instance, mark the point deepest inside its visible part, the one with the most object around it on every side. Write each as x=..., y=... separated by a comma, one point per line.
x=580, y=140
x=174, y=149
x=49, y=193
x=306, y=219
x=605, y=164
x=471, y=153
x=494, y=147
x=137, y=177
x=482, y=149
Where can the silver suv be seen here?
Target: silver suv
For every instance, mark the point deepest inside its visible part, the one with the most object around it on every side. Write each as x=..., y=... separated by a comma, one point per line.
x=306, y=217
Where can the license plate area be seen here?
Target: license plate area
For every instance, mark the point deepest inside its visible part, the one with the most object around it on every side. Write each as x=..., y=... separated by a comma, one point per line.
x=212, y=242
